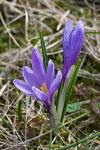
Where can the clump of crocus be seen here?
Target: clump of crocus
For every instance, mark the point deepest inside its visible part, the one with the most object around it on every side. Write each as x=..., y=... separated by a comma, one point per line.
x=73, y=39
x=39, y=83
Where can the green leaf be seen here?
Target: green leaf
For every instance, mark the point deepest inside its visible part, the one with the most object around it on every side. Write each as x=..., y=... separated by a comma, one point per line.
x=53, y=115
x=27, y=102
x=58, y=94
x=93, y=32
x=19, y=110
x=62, y=94
x=73, y=107
x=70, y=87
x=45, y=57
x=50, y=141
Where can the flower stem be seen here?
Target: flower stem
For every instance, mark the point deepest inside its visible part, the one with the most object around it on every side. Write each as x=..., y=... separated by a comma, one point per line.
x=53, y=116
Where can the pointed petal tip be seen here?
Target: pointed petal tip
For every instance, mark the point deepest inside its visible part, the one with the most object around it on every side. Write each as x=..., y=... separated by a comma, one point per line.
x=66, y=34
x=50, y=73
x=22, y=86
x=81, y=22
x=27, y=69
x=34, y=49
x=55, y=84
x=51, y=64
x=37, y=64
x=35, y=52
x=68, y=26
x=50, y=61
x=69, y=21
x=81, y=25
x=59, y=74
x=14, y=81
x=24, y=69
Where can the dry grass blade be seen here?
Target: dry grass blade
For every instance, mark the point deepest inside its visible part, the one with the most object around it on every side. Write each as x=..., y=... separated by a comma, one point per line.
x=8, y=31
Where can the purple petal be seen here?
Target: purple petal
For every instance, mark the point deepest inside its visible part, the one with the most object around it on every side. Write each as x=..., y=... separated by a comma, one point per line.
x=40, y=96
x=50, y=73
x=68, y=62
x=55, y=84
x=23, y=87
x=30, y=77
x=67, y=31
x=77, y=39
x=75, y=44
x=37, y=65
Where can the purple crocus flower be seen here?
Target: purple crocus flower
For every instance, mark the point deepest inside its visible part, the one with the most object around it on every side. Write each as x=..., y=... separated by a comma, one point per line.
x=73, y=39
x=39, y=83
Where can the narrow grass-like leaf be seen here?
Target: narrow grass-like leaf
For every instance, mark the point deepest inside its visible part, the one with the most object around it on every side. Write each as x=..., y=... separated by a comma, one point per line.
x=93, y=136
x=19, y=110
x=27, y=102
x=45, y=57
x=58, y=94
x=61, y=98
x=50, y=141
x=70, y=87
x=93, y=32
x=53, y=115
